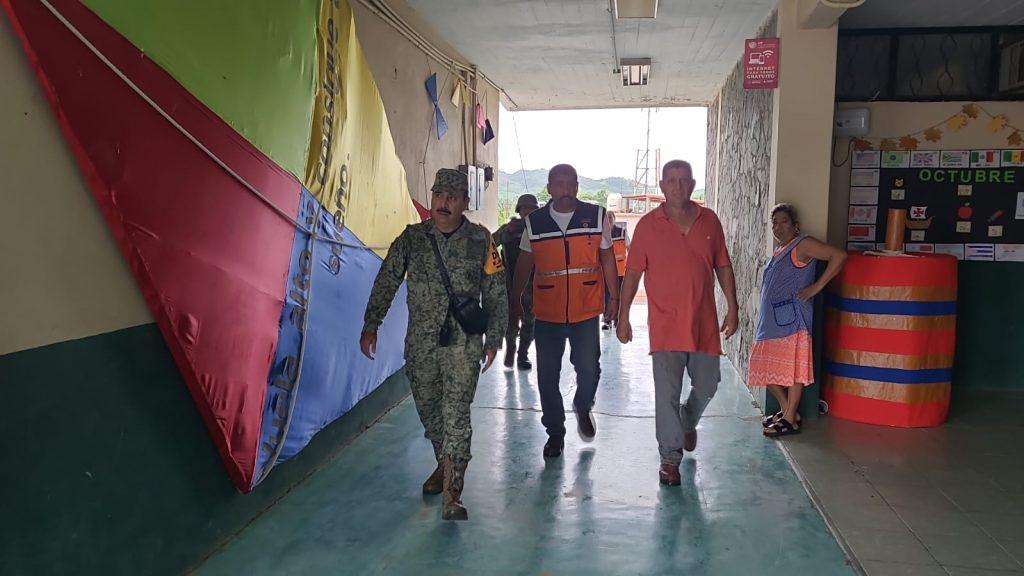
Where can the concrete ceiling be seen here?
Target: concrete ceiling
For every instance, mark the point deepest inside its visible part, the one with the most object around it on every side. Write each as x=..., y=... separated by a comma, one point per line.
x=933, y=13
x=557, y=54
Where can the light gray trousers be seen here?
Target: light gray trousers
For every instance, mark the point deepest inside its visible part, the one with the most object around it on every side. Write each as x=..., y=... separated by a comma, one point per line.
x=671, y=420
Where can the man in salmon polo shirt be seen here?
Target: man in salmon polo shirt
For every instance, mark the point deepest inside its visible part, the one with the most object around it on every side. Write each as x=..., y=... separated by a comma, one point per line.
x=680, y=248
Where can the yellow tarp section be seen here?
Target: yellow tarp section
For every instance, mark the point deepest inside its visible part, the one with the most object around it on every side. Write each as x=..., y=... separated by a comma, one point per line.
x=352, y=167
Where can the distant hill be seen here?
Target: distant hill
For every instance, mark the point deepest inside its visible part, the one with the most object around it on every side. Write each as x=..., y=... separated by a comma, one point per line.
x=512, y=185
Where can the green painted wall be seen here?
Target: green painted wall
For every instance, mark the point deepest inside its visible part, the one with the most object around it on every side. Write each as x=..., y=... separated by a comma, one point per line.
x=990, y=326
x=108, y=468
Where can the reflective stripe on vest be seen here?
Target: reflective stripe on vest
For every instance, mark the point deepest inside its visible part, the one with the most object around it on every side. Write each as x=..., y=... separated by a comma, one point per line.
x=568, y=285
x=619, y=248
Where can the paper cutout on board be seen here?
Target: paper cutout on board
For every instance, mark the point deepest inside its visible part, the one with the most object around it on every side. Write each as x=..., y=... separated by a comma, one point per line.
x=1012, y=158
x=984, y=158
x=439, y=122
x=917, y=235
x=920, y=224
x=924, y=159
x=917, y=212
x=860, y=233
x=919, y=248
x=995, y=231
x=863, y=215
x=897, y=183
x=965, y=212
x=996, y=216
x=979, y=252
x=951, y=249
x=955, y=159
x=896, y=159
x=898, y=194
x=1019, y=215
x=964, y=190
x=867, y=196
x=860, y=246
x=1009, y=253
x=864, y=177
x=866, y=158
x=963, y=227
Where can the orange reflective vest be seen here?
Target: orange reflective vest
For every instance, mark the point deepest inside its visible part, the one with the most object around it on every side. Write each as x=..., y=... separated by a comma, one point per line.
x=568, y=284
x=619, y=248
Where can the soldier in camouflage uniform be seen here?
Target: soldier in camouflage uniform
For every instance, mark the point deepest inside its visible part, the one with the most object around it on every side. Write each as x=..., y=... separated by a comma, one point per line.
x=441, y=361
x=508, y=236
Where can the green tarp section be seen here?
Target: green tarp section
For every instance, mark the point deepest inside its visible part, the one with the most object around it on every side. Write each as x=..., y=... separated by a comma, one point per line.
x=252, y=62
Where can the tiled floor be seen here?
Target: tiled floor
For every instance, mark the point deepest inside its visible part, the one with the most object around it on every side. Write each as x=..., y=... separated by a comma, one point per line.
x=945, y=500
x=597, y=510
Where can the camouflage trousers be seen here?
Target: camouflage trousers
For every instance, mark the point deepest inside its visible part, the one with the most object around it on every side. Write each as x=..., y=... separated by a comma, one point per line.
x=522, y=327
x=443, y=381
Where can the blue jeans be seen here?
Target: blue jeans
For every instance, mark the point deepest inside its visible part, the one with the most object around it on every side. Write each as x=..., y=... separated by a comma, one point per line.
x=585, y=354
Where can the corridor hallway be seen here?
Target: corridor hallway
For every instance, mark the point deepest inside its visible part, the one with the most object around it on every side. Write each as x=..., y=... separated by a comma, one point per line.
x=598, y=509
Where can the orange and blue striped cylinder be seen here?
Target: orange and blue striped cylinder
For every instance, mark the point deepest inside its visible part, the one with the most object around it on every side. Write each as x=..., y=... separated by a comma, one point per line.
x=890, y=335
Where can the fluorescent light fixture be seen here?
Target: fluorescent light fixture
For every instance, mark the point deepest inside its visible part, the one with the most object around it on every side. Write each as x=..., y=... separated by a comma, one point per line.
x=636, y=8
x=635, y=71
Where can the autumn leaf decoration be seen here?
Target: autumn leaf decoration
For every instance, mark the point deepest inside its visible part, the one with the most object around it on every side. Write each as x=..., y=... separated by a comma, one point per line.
x=908, y=143
x=933, y=134
x=861, y=145
x=997, y=123
x=956, y=122
x=888, y=144
x=971, y=110
x=1014, y=139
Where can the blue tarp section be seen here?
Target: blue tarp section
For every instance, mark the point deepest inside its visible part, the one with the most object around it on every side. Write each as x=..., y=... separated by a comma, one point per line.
x=328, y=289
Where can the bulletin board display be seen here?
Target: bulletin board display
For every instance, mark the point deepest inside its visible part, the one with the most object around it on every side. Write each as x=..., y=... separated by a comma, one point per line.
x=968, y=203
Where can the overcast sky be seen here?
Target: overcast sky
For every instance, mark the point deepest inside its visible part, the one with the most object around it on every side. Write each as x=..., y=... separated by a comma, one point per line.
x=601, y=143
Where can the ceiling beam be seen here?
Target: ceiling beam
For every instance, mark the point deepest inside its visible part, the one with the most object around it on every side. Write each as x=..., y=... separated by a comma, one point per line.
x=816, y=14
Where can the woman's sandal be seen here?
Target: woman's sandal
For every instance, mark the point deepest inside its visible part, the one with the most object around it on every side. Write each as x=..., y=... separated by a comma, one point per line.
x=781, y=427
x=769, y=420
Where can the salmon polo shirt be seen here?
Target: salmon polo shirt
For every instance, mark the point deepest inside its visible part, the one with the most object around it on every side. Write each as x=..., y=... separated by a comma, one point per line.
x=679, y=278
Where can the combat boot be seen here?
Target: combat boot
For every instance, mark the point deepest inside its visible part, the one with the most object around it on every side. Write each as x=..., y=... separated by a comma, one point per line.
x=510, y=354
x=454, y=480
x=435, y=483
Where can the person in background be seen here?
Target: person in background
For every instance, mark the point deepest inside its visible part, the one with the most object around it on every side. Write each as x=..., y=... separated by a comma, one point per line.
x=679, y=248
x=442, y=361
x=620, y=248
x=508, y=237
x=781, y=355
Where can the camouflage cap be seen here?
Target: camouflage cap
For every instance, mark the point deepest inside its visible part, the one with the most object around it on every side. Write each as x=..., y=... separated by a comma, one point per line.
x=526, y=200
x=451, y=181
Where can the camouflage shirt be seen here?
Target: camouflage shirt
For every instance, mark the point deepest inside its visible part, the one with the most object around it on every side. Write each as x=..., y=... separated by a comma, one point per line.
x=508, y=237
x=474, y=268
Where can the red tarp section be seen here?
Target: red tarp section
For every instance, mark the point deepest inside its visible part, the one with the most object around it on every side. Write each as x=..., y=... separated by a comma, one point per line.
x=199, y=244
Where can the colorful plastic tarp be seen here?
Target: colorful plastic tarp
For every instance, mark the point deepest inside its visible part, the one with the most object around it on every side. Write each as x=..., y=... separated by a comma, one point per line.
x=185, y=119
x=890, y=337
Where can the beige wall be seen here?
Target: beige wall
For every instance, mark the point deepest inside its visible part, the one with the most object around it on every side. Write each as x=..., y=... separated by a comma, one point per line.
x=63, y=276
x=803, y=111
x=400, y=69
x=895, y=119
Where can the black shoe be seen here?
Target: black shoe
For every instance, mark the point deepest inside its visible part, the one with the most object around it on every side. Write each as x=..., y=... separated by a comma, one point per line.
x=510, y=356
x=523, y=363
x=606, y=326
x=553, y=448
x=585, y=425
